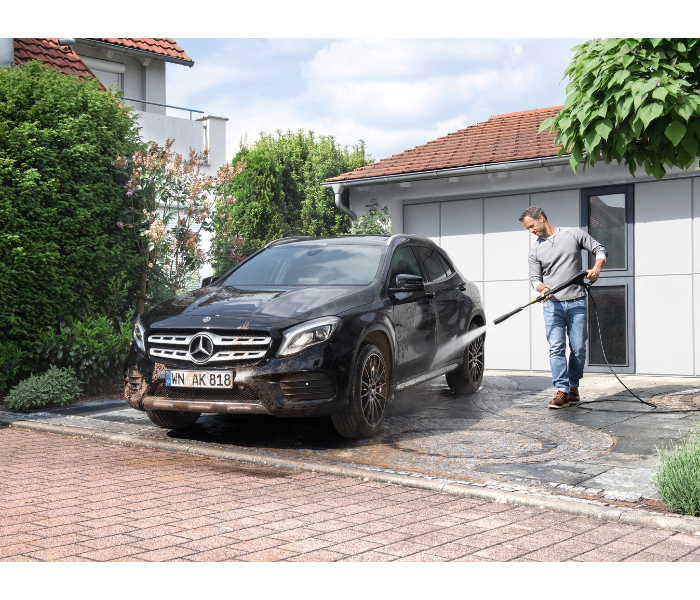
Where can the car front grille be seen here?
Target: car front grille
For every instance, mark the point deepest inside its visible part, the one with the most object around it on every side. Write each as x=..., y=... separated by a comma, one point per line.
x=239, y=393
x=220, y=348
x=308, y=386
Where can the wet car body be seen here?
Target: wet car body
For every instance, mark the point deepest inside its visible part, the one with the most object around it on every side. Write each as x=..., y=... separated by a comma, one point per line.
x=417, y=332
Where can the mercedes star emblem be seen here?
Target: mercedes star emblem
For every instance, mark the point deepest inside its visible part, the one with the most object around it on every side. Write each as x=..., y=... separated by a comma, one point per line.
x=206, y=319
x=201, y=348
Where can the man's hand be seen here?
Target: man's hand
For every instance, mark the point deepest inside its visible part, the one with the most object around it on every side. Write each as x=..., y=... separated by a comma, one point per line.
x=542, y=289
x=593, y=274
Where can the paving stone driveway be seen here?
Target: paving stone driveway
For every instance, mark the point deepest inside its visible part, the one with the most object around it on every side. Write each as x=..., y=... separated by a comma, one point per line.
x=504, y=436
x=69, y=499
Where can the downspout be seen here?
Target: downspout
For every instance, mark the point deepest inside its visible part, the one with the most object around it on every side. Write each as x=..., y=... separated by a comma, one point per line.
x=338, y=190
x=7, y=52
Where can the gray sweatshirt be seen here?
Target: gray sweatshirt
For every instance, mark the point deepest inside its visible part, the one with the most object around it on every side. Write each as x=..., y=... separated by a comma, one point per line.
x=555, y=259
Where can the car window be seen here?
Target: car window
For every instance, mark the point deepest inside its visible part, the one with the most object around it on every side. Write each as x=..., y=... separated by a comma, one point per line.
x=403, y=263
x=446, y=264
x=433, y=265
x=309, y=265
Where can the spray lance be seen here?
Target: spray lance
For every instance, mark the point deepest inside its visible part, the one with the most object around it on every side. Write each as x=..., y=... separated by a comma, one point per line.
x=576, y=279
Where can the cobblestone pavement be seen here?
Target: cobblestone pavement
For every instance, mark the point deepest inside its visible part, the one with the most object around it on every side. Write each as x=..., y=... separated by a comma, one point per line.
x=503, y=437
x=68, y=499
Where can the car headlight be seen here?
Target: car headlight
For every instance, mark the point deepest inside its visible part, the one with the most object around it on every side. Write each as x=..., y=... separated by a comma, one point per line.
x=306, y=335
x=139, y=335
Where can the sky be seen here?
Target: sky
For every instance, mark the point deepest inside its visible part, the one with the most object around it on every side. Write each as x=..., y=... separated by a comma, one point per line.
x=394, y=94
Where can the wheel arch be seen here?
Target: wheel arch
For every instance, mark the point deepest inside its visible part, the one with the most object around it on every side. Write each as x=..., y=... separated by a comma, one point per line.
x=379, y=335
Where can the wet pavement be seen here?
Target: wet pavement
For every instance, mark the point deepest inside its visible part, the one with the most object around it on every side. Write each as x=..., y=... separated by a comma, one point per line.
x=504, y=436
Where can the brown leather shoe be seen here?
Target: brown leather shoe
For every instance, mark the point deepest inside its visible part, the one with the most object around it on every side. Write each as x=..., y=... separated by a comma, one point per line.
x=560, y=400
x=574, y=398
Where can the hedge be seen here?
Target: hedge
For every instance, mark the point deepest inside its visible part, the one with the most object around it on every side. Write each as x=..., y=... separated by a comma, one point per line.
x=59, y=199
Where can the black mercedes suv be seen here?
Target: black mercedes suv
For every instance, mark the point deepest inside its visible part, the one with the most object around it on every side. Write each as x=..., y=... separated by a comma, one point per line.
x=309, y=327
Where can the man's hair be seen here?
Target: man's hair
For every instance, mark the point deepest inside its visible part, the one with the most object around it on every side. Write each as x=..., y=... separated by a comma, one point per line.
x=533, y=212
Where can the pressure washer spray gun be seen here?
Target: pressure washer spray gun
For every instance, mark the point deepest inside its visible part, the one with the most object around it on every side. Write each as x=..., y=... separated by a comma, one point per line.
x=576, y=279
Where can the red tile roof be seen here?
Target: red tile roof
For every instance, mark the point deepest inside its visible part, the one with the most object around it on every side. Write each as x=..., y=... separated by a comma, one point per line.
x=61, y=58
x=506, y=137
x=163, y=46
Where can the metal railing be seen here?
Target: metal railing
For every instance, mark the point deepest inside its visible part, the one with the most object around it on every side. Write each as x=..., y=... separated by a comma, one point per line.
x=191, y=110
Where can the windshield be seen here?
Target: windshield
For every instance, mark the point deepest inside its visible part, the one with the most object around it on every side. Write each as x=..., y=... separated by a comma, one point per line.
x=331, y=264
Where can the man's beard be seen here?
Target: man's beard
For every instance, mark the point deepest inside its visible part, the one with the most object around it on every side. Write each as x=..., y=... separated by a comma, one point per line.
x=542, y=230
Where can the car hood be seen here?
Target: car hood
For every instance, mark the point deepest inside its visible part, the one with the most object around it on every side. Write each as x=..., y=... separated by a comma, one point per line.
x=268, y=309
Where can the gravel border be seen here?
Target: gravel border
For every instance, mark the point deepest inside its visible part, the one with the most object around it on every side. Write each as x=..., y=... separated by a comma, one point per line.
x=579, y=508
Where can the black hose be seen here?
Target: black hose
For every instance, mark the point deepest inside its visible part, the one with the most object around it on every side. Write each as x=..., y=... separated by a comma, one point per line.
x=602, y=347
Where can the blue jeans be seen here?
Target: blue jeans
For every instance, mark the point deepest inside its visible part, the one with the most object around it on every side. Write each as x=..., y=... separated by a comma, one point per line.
x=560, y=318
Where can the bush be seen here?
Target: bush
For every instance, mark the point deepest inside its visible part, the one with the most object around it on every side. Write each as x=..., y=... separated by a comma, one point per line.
x=56, y=387
x=60, y=198
x=677, y=478
x=94, y=348
x=10, y=363
x=372, y=222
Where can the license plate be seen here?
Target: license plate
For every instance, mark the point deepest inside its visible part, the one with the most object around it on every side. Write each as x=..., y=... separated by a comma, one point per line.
x=200, y=379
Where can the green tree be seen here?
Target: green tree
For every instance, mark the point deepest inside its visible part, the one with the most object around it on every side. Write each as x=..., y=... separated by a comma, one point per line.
x=279, y=192
x=60, y=198
x=634, y=100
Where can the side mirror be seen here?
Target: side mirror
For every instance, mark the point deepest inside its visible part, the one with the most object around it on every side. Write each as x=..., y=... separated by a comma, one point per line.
x=207, y=281
x=408, y=283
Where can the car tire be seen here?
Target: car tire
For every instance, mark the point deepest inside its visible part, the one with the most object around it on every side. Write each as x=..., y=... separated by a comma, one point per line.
x=369, y=394
x=172, y=419
x=467, y=379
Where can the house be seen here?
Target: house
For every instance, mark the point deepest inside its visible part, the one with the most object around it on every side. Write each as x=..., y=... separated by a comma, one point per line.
x=136, y=66
x=467, y=190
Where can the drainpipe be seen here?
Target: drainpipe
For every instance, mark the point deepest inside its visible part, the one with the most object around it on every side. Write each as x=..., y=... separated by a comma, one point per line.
x=7, y=52
x=338, y=190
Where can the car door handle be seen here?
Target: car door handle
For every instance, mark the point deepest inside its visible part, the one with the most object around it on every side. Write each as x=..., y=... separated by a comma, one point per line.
x=462, y=287
x=430, y=293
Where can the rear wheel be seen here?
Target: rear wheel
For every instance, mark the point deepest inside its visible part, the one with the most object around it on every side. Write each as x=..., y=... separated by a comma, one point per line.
x=364, y=415
x=467, y=379
x=172, y=419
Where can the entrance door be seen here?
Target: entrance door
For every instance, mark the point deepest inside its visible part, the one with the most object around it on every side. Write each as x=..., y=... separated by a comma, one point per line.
x=608, y=216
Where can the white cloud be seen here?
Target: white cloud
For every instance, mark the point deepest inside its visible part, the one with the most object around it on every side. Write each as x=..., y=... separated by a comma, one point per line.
x=393, y=94
x=367, y=59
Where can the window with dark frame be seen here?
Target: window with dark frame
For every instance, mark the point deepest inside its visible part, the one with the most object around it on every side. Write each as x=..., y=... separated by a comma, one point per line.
x=608, y=216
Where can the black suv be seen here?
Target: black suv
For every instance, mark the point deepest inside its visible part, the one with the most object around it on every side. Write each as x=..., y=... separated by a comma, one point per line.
x=309, y=327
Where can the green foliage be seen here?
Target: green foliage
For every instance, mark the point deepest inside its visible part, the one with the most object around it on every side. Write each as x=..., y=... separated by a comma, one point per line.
x=59, y=199
x=677, y=477
x=56, y=387
x=10, y=363
x=279, y=192
x=372, y=221
x=634, y=100
x=93, y=347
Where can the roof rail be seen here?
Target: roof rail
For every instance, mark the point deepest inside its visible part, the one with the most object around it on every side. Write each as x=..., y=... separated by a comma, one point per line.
x=407, y=235
x=283, y=240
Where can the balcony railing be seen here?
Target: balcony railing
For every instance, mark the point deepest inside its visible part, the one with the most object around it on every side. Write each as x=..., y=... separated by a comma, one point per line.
x=191, y=110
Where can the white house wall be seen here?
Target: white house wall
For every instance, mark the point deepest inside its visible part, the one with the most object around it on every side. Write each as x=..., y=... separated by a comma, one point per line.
x=667, y=306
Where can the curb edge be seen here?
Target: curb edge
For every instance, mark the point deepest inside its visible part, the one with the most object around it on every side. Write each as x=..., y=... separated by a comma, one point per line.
x=627, y=516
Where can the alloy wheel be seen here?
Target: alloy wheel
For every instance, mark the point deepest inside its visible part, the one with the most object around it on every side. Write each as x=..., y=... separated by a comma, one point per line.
x=475, y=359
x=373, y=388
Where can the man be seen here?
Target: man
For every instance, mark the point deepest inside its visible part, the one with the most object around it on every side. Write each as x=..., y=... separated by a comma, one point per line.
x=554, y=258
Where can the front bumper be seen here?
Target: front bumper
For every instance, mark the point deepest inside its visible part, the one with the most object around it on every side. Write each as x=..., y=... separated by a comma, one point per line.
x=312, y=383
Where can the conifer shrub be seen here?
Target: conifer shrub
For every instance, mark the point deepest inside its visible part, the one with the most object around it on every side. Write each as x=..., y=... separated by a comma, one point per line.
x=60, y=198
x=56, y=387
